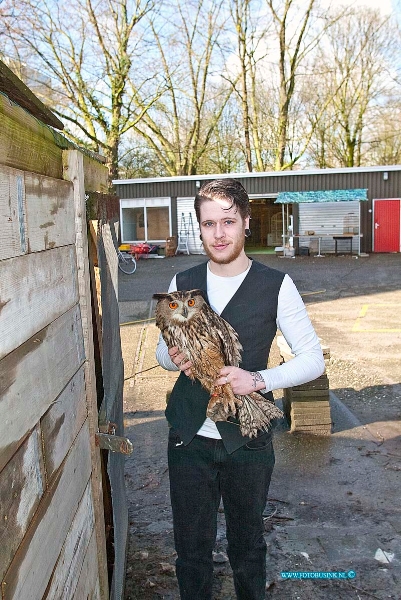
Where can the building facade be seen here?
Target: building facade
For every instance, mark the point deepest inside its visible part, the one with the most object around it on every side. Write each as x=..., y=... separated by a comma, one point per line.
x=156, y=208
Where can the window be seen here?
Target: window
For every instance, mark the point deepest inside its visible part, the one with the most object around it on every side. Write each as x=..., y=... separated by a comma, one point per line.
x=133, y=224
x=145, y=220
x=158, y=223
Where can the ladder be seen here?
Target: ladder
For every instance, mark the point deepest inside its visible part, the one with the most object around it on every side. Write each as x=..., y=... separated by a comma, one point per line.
x=183, y=236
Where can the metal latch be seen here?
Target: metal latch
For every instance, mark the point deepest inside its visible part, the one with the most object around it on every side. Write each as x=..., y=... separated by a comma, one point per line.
x=107, y=440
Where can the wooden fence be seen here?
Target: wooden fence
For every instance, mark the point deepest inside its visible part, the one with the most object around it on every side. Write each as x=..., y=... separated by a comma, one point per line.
x=52, y=532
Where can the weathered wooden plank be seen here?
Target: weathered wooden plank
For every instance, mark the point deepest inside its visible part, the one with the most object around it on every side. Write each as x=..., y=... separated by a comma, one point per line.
x=35, y=289
x=314, y=430
x=17, y=91
x=318, y=384
x=112, y=353
x=30, y=571
x=21, y=487
x=88, y=584
x=62, y=422
x=12, y=213
x=36, y=213
x=50, y=212
x=310, y=414
x=74, y=171
x=309, y=420
x=33, y=375
x=309, y=408
x=27, y=144
x=95, y=175
x=94, y=271
x=65, y=576
x=314, y=404
x=310, y=394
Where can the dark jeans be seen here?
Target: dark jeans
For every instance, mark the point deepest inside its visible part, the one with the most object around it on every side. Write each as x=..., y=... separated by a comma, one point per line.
x=200, y=474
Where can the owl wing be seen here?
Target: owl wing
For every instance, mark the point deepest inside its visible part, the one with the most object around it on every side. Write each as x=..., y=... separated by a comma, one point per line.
x=227, y=337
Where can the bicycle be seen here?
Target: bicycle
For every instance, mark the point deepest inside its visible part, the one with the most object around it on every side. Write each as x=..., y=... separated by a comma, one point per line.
x=126, y=262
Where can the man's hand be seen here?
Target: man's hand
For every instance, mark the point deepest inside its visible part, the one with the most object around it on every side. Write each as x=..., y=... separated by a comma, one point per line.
x=242, y=382
x=180, y=360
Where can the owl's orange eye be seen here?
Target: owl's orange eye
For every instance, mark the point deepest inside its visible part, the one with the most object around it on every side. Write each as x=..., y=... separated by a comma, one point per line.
x=173, y=305
x=191, y=302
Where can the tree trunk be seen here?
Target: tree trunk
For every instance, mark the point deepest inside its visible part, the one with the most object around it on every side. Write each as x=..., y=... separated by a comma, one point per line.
x=282, y=136
x=112, y=158
x=245, y=120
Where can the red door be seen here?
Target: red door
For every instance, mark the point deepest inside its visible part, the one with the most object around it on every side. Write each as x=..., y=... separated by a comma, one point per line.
x=386, y=225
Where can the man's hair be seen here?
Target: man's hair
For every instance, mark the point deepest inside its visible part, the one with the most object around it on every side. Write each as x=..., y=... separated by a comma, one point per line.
x=224, y=189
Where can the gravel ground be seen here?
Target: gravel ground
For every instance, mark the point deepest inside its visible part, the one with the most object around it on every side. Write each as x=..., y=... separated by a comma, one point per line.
x=362, y=390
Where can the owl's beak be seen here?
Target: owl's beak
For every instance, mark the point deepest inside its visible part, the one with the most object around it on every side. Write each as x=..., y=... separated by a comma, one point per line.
x=184, y=311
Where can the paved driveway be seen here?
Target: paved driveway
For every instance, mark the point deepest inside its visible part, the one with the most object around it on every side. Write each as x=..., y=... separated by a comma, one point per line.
x=354, y=303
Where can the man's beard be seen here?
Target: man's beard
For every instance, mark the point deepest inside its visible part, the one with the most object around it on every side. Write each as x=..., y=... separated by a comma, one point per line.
x=235, y=250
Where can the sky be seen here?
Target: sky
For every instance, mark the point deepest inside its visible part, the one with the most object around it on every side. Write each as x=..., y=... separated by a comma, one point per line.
x=386, y=6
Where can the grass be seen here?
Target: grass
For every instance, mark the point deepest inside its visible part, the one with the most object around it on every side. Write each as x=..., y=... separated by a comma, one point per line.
x=259, y=250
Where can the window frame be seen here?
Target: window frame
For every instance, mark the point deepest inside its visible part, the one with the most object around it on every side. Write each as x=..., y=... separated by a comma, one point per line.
x=145, y=203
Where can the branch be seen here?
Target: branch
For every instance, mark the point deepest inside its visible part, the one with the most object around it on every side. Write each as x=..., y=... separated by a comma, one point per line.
x=82, y=128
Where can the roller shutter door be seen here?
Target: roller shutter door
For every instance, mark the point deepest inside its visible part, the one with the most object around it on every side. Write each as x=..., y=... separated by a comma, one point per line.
x=329, y=218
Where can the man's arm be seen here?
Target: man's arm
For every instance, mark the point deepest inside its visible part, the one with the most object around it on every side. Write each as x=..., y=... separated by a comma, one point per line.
x=294, y=323
x=163, y=356
x=308, y=363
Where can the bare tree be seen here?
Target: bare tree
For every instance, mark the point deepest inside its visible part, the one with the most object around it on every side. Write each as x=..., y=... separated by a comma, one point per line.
x=358, y=59
x=251, y=27
x=193, y=86
x=291, y=53
x=225, y=153
x=89, y=52
x=240, y=13
x=299, y=32
x=320, y=152
x=180, y=125
x=383, y=132
x=137, y=160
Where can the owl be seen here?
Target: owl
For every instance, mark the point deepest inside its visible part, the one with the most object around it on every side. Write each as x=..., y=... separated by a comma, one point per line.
x=186, y=320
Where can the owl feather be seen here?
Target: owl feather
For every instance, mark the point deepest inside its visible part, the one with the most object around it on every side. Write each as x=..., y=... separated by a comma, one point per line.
x=187, y=321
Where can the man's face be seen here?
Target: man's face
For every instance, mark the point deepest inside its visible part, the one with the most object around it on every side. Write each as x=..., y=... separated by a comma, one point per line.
x=223, y=231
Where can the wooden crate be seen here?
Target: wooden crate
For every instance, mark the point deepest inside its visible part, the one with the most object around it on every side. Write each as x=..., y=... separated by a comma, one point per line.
x=307, y=406
x=171, y=246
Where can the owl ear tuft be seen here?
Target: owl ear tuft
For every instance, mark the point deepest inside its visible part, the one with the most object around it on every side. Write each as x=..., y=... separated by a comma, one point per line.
x=196, y=292
x=199, y=293
x=160, y=296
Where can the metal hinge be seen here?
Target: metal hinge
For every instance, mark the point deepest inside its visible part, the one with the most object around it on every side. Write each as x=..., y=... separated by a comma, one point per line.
x=107, y=440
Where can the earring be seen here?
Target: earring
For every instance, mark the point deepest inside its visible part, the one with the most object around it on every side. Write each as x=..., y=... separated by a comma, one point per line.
x=248, y=233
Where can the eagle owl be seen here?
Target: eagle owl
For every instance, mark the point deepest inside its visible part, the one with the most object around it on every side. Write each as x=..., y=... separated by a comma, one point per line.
x=186, y=320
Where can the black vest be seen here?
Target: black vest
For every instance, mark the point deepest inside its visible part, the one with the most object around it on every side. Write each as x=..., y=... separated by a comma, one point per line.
x=252, y=311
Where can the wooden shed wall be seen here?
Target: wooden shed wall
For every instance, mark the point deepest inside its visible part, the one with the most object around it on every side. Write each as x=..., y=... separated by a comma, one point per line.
x=51, y=513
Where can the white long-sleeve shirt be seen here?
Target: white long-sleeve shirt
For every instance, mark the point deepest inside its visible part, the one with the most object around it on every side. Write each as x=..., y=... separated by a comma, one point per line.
x=293, y=322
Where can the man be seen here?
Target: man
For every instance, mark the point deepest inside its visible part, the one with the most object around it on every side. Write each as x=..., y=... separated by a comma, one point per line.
x=212, y=461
